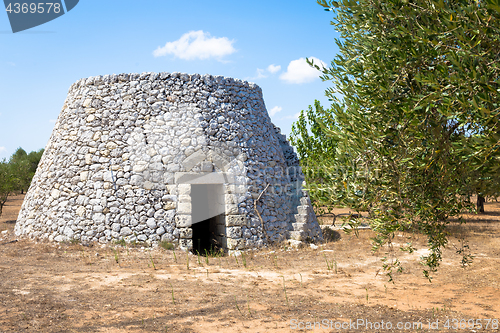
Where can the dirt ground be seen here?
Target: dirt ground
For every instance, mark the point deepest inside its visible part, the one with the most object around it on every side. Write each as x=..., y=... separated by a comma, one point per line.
x=337, y=287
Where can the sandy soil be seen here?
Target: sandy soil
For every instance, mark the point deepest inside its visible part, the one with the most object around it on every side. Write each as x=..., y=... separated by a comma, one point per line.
x=48, y=287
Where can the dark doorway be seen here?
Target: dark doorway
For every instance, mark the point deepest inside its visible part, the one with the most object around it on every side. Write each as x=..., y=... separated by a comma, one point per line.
x=207, y=201
x=204, y=237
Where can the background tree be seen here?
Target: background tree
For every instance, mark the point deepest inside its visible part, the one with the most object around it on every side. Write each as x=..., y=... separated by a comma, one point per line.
x=17, y=173
x=315, y=149
x=418, y=112
x=20, y=167
x=24, y=166
x=6, y=183
x=33, y=159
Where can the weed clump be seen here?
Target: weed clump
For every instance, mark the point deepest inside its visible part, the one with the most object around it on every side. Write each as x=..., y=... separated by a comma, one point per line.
x=167, y=245
x=120, y=242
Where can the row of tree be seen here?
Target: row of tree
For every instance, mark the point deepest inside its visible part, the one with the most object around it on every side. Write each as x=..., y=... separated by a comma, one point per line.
x=414, y=126
x=17, y=172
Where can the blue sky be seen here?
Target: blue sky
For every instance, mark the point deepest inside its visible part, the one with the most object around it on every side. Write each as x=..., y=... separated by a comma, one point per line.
x=260, y=41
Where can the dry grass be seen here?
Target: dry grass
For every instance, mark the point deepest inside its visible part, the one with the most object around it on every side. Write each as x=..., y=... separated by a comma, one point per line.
x=47, y=287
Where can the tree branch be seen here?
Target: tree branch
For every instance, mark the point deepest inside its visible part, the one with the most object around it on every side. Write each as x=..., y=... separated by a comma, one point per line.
x=258, y=214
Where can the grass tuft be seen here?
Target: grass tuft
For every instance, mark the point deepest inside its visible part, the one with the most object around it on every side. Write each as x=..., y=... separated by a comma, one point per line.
x=244, y=259
x=237, y=307
x=117, y=255
x=167, y=245
x=286, y=296
x=173, y=299
x=120, y=242
x=152, y=261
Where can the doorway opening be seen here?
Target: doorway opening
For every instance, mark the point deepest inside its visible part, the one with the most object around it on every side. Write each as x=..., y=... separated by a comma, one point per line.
x=205, y=237
x=207, y=202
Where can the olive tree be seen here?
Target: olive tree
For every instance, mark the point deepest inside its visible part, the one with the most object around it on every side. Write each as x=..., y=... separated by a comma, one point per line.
x=416, y=102
x=24, y=167
x=6, y=183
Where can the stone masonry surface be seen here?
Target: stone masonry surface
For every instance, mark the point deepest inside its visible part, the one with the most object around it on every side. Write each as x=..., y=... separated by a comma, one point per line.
x=127, y=150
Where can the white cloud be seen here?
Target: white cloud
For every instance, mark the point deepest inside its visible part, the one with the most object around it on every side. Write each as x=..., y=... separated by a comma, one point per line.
x=260, y=74
x=299, y=71
x=294, y=117
x=3, y=149
x=273, y=68
x=197, y=45
x=263, y=73
x=275, y=110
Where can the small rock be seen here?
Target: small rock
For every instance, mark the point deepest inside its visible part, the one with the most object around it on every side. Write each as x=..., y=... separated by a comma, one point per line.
x=151, y=223
x=126, y=231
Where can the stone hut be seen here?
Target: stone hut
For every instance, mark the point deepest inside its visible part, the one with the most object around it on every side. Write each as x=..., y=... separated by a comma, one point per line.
x=167, y=157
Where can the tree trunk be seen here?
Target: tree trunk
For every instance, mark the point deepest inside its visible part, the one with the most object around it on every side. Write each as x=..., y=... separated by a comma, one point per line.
x=480, y=204
x=3, y=199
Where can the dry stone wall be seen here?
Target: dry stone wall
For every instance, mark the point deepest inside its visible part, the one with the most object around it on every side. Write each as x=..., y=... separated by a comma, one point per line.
x=130, y=152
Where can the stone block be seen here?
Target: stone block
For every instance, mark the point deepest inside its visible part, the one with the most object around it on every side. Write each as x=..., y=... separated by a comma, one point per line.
x=206, y=166
x=231, y=209
x=230, y=189
x=184, y=189
x=184, y=208
x=183, y=221
x=303, y=210
x=233, y=232
x=299, y=226
x=297, y=235
x=168, y=177
x=202, y=178
x=185, y=233
x=184, y=198
x=167, y=237
x=169, y=198
x=193, y=160
x=170, y=205
x=220, y=161
x=230, y=199
x=234, y=244
x=186, y=244
x=236, y=220
x=305, y=201
x=299, y=218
